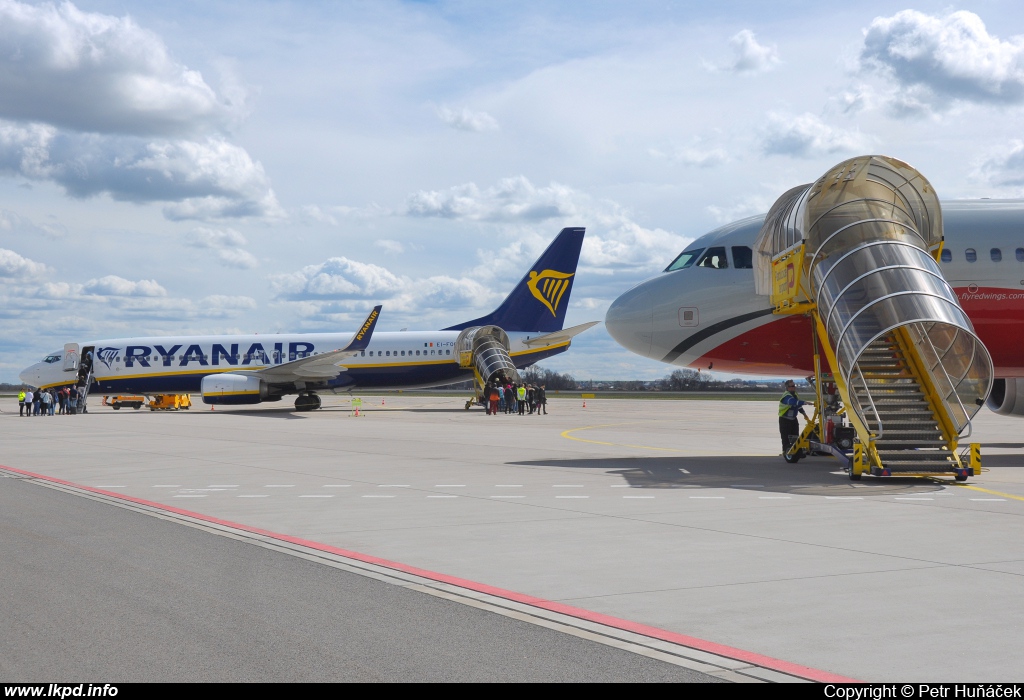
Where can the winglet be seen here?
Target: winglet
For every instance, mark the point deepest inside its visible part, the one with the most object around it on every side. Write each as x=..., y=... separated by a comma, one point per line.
x=362, y=337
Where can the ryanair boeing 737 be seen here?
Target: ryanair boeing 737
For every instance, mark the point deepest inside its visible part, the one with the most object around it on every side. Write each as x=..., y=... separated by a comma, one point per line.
x=250, y=369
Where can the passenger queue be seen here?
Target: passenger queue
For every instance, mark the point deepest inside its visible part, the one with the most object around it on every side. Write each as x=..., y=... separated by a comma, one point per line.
x=49, y=402
x=503, y=396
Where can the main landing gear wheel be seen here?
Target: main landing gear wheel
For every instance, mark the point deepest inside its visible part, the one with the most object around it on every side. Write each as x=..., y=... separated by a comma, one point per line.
x=307, y=402
x=792, y=459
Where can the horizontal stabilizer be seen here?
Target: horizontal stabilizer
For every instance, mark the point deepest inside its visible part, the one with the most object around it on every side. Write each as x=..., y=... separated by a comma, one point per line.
x=542, y=341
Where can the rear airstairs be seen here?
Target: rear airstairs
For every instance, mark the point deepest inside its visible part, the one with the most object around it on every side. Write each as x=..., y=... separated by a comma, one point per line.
x=857, y=251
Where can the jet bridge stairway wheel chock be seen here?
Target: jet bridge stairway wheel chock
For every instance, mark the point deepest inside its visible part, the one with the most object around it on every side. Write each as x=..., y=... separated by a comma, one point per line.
x=857, y=251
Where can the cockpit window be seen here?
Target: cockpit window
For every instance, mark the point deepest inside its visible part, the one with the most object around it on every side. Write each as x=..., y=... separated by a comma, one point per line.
x=685, y=260
x=50, y=359
x=714, y=257
x=742, y=257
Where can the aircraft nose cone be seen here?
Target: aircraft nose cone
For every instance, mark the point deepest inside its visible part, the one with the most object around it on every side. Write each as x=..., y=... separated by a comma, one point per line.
x=28, y=375
x=630, y=321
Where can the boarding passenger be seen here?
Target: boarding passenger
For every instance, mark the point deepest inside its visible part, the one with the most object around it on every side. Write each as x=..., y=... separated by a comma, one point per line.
x=789, y=405
x=492, y=409
x=44, y=402
x=501, y=397
x=28, y=402
x=35, y=402
x=542, y=399
x=21, y=402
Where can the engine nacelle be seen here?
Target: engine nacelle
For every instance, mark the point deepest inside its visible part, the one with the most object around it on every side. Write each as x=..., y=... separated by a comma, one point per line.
x=1007, y=397
x=233, y=389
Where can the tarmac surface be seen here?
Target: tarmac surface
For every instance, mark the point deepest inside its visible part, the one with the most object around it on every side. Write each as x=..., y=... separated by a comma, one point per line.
x=680, y=515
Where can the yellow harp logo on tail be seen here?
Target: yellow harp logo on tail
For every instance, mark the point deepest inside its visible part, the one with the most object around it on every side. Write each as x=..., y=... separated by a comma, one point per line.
x=548, y=287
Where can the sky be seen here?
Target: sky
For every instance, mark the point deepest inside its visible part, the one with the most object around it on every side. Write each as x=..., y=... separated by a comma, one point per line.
x=224, y=167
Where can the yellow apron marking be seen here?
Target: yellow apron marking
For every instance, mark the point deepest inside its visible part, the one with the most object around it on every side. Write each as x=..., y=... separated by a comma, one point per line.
x=990, y=491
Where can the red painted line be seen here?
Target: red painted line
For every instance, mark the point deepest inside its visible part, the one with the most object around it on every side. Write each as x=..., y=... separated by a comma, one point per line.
x=588, y=615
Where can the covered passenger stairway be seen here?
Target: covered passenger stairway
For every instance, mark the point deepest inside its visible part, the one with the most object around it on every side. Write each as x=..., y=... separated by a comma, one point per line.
x=858, y=251
x=485, y=350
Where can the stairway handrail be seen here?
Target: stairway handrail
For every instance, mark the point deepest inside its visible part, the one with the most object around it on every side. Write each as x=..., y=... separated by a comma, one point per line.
x=970, y=423
x=839, y=230
x=871, y=400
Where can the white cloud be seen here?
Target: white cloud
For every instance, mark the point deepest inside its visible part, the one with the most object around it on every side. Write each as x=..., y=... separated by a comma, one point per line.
x=748, y=55
x=12, y=222
x=337, y=278
x=806, y=136
x=203, y=237
x=943, y=59
x=87, y=71
x=228, y=244
x=466, y=120
x=614, y=240
x=15, y=266
x=390, y=246
x=697, y=157
x=211, y=179
x=114, y=286
x=1004, y=167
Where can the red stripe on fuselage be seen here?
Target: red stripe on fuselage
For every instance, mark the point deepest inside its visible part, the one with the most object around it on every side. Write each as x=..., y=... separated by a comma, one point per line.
x=784, y=346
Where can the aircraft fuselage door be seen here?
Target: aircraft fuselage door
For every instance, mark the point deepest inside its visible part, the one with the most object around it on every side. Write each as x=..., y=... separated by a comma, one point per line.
x=70, y=357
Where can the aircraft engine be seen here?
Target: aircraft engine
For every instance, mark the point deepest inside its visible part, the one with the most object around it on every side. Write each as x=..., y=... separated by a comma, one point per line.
x=233, y=389
x=1007, y=397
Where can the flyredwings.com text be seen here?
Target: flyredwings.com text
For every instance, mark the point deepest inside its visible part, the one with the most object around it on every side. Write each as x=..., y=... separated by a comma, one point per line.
x=61, y=690
x=923, y=690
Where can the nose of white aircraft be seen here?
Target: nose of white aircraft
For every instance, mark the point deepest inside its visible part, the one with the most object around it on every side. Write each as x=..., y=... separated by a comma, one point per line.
x=30, y=375
x=630, y=320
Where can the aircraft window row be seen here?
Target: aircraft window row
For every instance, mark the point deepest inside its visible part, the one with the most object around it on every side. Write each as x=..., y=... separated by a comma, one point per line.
x=402, y=353
x=714, y=257
x=971, y=255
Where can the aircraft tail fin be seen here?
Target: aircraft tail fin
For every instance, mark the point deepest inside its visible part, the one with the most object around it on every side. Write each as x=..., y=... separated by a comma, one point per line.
x=539, y=301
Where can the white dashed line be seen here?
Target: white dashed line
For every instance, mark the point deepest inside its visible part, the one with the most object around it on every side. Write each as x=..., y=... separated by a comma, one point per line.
x=392, y=486
x=317, y=495
x=567, y=486
x=988, y=499
x=773, y=498
x=706, y=497
x=442, y=496
x=190, y=495
x=449, y=486
x=253, y=495
x=845, y=498
x=624, y=486
x=508, y=486
x=279, y=486
x=336, y=486
x=572, y=496
x=167, y=486
x=375, y=495
x=508, y=496
x=747, y=486
x=908, y=498
x=223, y=486
x=638, y=496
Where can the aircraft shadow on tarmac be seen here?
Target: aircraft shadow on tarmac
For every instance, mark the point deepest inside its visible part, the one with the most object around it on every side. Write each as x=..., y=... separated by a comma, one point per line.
x=818, y=476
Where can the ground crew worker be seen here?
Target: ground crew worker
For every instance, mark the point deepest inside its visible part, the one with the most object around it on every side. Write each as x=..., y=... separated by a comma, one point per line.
x=789, y=405
x=521, y=399
x=542, y=399
x=21, y=402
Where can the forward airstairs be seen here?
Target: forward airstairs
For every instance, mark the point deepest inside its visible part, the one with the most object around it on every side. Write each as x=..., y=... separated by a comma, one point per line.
x=858, y=251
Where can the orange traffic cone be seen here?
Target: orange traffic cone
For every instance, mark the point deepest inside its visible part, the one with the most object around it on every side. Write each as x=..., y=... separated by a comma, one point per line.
x=584, y=403
x=382, y=401
x=212, y=407
x=357, y=413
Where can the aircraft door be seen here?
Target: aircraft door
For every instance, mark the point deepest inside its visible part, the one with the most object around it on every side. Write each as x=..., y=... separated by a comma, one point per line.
x=71, y=357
